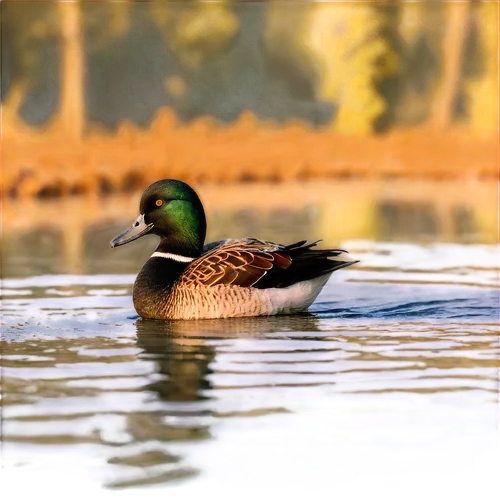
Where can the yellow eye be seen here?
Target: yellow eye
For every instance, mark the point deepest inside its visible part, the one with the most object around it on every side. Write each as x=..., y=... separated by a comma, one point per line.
x=159, y=203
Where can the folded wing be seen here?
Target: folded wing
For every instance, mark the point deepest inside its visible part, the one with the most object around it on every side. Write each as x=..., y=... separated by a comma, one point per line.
x=262, y=264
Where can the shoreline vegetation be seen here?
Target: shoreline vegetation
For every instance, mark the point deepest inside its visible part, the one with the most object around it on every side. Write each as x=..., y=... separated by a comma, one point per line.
x=362, y=90
x=49, y=163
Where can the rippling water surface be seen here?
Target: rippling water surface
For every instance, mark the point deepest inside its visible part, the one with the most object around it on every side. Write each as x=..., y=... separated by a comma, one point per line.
x=387, y=387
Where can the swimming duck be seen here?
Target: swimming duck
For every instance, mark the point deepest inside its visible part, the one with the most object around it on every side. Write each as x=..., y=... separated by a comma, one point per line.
x=185, y=279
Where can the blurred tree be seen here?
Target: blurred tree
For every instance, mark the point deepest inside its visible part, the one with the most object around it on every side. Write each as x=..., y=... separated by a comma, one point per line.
x=26, y=30
x=195, y=31
x=197, y=34
x=120, y=19
x=226, y=83
x=104, y=22
x=447, y=94
x=481, y=69
x=286, y=84
x=72, y=104
x=420, y=31
x=125, y=63
x=355, y=57
x=282, y=60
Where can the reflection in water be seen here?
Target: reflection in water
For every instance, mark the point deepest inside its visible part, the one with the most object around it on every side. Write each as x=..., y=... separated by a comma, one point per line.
x=183, y=362
x=160, y=331
x=99, y=393
x=421, y=221
x=392, y=211
x=464, y=223
x=286, y=223
x=145, y=403
x=403, y=220
x=185, y=350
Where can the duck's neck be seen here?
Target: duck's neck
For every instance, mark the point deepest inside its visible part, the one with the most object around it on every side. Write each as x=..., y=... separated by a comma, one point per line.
x=160, y=273
x=166, y=264
x=183, y=248
x=162, y=270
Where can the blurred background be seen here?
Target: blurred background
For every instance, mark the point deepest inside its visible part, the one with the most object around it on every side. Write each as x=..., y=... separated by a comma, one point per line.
x=359, y=120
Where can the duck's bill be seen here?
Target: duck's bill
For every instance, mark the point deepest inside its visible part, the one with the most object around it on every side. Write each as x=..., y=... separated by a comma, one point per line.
x=139, y=228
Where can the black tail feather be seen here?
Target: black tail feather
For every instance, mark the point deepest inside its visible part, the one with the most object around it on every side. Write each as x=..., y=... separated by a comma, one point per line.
x=306, y=264
x=299, y=244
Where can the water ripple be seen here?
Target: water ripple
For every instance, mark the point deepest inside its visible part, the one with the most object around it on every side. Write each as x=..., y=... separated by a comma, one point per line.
x=83, y=376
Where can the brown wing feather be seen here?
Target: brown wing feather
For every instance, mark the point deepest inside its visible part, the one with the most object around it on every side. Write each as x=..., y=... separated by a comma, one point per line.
x=242, y=263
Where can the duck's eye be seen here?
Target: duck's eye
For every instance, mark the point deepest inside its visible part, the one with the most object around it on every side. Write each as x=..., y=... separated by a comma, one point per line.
x=159, y=203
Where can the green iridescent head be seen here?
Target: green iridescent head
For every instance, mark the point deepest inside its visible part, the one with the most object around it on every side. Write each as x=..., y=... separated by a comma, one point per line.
x=172, y=210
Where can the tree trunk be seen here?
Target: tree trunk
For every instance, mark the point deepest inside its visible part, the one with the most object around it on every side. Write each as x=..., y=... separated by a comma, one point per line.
x=72, y=103
x=451, y=71
x=12, y=121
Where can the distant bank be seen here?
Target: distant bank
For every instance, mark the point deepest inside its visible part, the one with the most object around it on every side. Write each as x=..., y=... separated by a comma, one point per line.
x=48, y=163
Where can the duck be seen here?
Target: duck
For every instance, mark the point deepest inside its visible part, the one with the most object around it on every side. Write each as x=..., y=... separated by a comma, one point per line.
x=186, y=279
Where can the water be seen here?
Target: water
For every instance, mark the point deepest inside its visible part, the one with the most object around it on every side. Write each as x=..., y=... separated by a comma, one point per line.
x=392, y=377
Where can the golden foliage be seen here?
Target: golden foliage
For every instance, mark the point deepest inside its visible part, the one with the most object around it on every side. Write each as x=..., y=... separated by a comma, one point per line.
x=346, y=52
x=196, y=31
x=482, y=89
x=347, y=43
x=120, y=19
